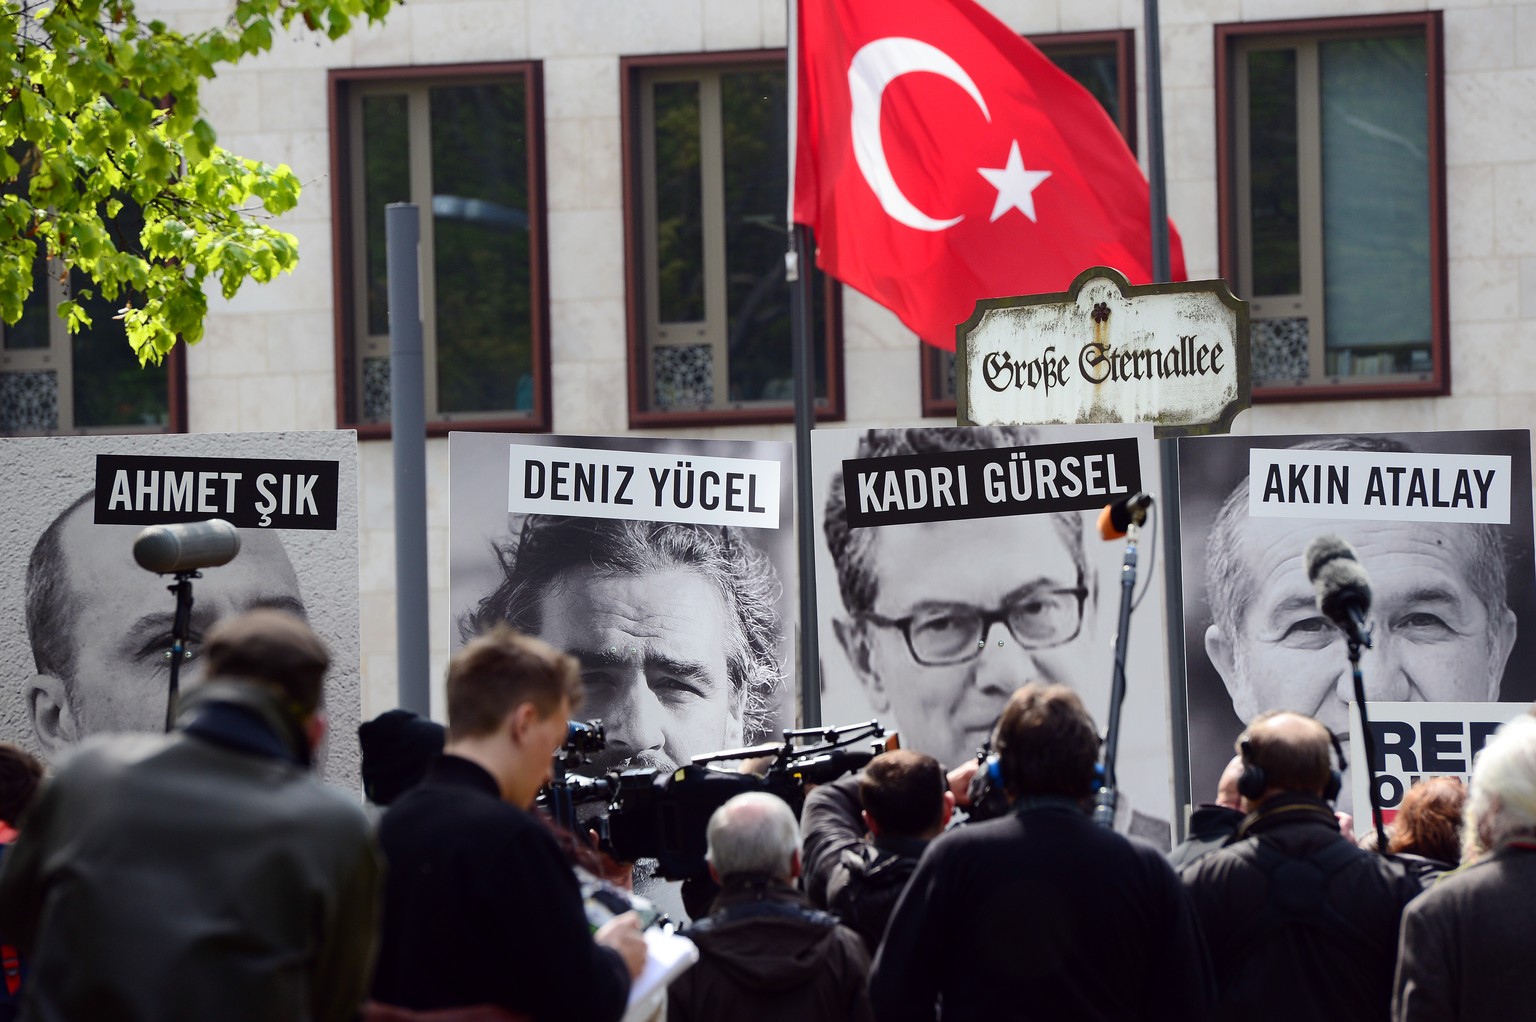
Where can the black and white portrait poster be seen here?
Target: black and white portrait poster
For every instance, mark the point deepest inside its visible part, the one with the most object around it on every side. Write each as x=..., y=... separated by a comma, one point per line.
x=1441, y=524
x=665, y=566
x=85, y=632
x=955, y=564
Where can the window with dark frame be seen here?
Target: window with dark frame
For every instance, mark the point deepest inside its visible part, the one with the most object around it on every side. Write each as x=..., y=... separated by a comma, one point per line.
x=464, y=145
x=1104, y=63
x=707, y=142
x=1332, y=203
x=55, y=382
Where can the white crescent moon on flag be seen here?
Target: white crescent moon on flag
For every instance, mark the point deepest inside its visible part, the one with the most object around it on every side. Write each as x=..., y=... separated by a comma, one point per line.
x=875, y=66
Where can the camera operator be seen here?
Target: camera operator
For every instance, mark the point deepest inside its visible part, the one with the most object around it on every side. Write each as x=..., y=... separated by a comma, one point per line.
x=865, y=832
x=480, y=906
x=764, y=953
x=1040, y=913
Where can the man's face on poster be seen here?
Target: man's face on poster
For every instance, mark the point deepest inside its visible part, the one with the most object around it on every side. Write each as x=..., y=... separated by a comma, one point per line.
x=117, y=621
x=971, y=598
x=653, y=655
x=1436, y=639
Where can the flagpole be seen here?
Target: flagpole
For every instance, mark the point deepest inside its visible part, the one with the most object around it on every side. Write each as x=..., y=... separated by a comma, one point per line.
x=797, y=266
x=1168, y=452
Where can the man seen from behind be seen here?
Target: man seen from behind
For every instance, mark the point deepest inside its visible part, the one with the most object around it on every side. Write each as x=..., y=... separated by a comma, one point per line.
x=1300, y=922
x=203, y=874
x=1041, y=914
x=764, y=953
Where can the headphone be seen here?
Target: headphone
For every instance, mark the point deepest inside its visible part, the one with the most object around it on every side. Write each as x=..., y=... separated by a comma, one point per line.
x=1254, y=782
x=992, y=767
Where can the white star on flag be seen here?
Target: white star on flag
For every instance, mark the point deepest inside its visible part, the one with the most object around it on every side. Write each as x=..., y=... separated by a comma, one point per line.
x=1015, y=185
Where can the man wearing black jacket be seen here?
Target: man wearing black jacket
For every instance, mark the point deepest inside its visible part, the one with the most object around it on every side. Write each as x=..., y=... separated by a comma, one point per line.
x=1300, y=922
x=480, y=907
x=863, y=834
x=1040, y=914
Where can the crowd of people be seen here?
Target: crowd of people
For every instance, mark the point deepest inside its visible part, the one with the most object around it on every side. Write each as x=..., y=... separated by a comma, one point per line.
x=207, y=874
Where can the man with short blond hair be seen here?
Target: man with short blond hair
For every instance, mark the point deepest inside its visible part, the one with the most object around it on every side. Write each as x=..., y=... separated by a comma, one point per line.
x=480, y=907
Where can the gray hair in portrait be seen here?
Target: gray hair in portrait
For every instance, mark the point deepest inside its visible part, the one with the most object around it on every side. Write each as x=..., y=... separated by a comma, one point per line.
x=546, y=547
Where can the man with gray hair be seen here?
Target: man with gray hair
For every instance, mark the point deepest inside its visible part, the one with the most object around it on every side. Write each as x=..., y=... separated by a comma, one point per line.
x=1466, y=941
x=674, y=624
x=1442, y=626
x=764, y=952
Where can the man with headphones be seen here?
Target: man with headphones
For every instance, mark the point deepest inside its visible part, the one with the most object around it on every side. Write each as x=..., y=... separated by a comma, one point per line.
x=1040, y=913
x=1300, y=922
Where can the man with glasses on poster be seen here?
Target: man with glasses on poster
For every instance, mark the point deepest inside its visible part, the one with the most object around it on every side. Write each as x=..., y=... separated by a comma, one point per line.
x=944, y=620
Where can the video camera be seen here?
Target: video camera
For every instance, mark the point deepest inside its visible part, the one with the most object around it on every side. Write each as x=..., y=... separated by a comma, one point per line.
x=663, y=815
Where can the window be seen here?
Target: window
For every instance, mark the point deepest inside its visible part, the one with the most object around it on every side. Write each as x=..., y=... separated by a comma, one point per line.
x=1104, y=63
x=52, y=381
x=1333, y=204
x=463, y=145
x=709, y=303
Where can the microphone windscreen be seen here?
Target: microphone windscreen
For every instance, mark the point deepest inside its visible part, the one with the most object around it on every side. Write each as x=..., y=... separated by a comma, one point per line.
x=167, y=549
x=1326, y=550
x=1342, y=585
x=1107, y=527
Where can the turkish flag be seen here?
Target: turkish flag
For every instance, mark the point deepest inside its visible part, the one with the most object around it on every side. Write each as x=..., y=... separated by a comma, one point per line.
x=942, y=159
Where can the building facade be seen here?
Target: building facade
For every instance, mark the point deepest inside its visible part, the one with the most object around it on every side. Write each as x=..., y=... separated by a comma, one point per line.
x=602, y=186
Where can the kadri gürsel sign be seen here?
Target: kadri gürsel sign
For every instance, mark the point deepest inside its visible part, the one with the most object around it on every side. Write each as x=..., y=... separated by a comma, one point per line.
x=1175, y=355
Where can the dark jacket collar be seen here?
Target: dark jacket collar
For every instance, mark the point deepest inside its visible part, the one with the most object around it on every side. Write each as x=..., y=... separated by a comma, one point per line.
x=903, y=847
x=1289, y=810
x=458, y=772
x=243, y=715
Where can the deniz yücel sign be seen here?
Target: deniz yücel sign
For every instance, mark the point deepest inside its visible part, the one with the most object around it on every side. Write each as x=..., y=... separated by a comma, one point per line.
x=1171, y=354
x=247, y=492
x=989, y=483
x=644, y=486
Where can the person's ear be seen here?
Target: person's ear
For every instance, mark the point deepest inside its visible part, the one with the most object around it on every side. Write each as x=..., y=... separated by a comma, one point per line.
x=869, y=822
x=1505, y=631
x=520, y=720
x=54, y=724
x=714, y=874
x=854, y=638
x=949, y=810
x=794, y=866
x=1218, y=646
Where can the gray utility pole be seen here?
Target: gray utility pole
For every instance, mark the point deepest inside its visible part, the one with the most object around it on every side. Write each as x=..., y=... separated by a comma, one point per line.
x=408, y=428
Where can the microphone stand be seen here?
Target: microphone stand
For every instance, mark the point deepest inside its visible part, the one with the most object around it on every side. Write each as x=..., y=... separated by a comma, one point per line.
x=1104, y=802
x=1367, y=737
x=179, y=629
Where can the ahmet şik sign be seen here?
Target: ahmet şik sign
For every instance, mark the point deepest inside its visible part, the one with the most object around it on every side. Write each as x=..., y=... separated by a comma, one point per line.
x=249, y=493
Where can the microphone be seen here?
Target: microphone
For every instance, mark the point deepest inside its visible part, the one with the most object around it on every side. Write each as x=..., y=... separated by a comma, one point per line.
x=1116, y=518
x=1343, y=587
x=176, y=549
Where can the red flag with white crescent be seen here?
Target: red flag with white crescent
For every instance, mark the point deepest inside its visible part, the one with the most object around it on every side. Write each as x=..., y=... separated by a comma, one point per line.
x=942, y=159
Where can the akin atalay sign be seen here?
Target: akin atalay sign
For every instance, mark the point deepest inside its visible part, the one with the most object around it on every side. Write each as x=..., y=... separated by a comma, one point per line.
x=1175, y=355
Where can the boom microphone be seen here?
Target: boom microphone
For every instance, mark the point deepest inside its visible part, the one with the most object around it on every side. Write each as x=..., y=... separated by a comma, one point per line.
x=175, y=549
x=1116, y=518
x=1343, y=587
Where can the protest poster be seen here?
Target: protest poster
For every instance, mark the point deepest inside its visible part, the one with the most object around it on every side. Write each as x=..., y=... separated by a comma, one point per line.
x=955, y=525
x=667, y=561
x=86, y=632
x=1440, y=523
x=1416, y=741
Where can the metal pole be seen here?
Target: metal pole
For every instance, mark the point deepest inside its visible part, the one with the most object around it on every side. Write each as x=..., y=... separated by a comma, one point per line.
x=1157, y=179
x=408, y=428
x=804, y=368
x=1173, y=578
